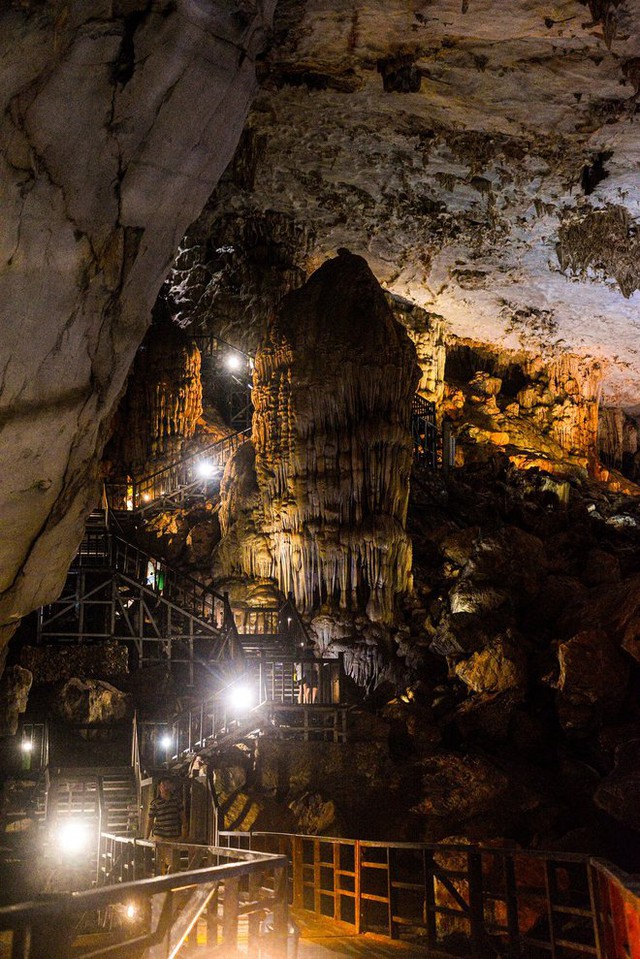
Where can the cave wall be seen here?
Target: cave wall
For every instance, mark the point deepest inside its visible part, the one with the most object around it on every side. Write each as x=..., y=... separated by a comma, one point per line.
x=160, y=410
x=542, y=411
x=117, y=121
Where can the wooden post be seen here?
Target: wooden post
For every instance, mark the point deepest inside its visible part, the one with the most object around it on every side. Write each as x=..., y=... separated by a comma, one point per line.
x=337, y=899
x=551, y=890
x=317, y=872
x=297, y=861
x=429, y=899
x=511, y=895
x=476, y=901
x=357, y=866
x=255, y=886
x=280, y=912
x=390, y=923
x=230, y=917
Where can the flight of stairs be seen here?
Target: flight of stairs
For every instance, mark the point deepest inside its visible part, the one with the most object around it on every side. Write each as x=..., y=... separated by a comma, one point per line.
x=75, y=794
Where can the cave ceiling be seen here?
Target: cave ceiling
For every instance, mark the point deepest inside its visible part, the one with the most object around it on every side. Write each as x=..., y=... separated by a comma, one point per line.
x=483, y=155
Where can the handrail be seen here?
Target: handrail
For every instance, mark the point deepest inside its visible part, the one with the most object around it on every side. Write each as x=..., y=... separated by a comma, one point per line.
x=213, y=336
x=121, y=548
x=135, y=762
x=183, y=461
x=507, y=898
x=169, y=906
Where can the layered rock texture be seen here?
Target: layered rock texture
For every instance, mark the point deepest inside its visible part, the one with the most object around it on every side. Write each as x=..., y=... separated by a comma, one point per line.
x=332, y=391
x=117, y=120
x=163, y=403
x=483, y=160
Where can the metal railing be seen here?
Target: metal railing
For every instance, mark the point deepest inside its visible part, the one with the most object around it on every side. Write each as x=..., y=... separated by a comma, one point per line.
x=183, y=590
x=267, y=687
x=223, y=900
x=499, y=901
x=191, y=471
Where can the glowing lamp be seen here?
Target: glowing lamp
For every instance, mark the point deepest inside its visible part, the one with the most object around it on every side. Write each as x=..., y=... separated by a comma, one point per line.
x=26, y=746
x=241, y=697
x=207, y=469
x=146, y=497
x=165, y=742
x=233, y=361
x=131, y=911
x=73, y=837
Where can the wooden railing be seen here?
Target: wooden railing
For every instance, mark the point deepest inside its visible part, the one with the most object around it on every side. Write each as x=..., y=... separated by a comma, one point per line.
x=617, y=912
x=213, y=894
x=500, y=901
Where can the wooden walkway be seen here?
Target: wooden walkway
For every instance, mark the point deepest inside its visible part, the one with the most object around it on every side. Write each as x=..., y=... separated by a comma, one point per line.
x=328, y=939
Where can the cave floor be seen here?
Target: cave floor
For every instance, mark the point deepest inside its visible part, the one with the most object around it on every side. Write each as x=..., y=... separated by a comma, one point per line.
x=323, y=939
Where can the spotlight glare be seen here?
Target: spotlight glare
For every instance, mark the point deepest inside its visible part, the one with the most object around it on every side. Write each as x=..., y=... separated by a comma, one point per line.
x=26, y=746
x=165, y=742
x=206, y=469
x=241, y=697
x=233, y=361
x=131, y=912
x=72, y=837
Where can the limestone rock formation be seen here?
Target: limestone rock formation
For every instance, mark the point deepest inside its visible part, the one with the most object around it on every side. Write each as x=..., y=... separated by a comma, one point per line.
x=484, y=164
x=332, y=391
x=617, y=794
x=498, y=667
x=163, y=402
x=543, y=412
x=14, y=691
x=91, y=701
x=53, y=665
x=117, y=121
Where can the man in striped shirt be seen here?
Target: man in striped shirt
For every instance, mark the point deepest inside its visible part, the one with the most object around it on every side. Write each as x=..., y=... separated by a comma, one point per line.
x=167, y=820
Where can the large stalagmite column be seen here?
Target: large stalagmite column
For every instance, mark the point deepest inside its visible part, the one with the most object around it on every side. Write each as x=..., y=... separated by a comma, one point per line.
x=332, y=394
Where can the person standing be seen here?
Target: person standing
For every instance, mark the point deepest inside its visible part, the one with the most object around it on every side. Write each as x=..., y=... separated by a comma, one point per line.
x=167, y=820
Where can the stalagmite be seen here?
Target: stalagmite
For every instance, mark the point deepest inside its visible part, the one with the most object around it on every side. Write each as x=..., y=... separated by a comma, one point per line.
x=333, y=385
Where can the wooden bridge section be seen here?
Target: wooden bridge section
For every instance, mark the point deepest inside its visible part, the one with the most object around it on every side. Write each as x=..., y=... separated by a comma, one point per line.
x=463, y=900
x=447, y=901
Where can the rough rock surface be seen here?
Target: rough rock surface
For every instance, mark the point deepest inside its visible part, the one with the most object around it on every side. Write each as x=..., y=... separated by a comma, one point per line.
x=160, y=410
x=117, y=121
x=484, y=164
x=53, y=665
x=14, y=691
x=91, y=701
x=332, y=391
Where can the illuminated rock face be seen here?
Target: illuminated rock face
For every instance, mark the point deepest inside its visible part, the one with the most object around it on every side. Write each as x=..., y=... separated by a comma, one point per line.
x=163, y=401
x=542, y=412
x=117, y=120
x=333, y=386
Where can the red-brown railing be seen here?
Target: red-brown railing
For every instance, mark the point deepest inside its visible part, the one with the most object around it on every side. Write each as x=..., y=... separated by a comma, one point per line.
x=496, y=901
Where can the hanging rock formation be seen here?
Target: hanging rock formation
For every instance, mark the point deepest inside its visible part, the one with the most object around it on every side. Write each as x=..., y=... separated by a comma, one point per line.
x=332, y=391
x=117, y=121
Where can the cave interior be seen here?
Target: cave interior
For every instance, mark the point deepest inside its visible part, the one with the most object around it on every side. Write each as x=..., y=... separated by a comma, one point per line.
x=319, y=414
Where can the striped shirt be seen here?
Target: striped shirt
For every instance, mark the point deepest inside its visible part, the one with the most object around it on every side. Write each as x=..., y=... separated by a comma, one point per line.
x=167, y=817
